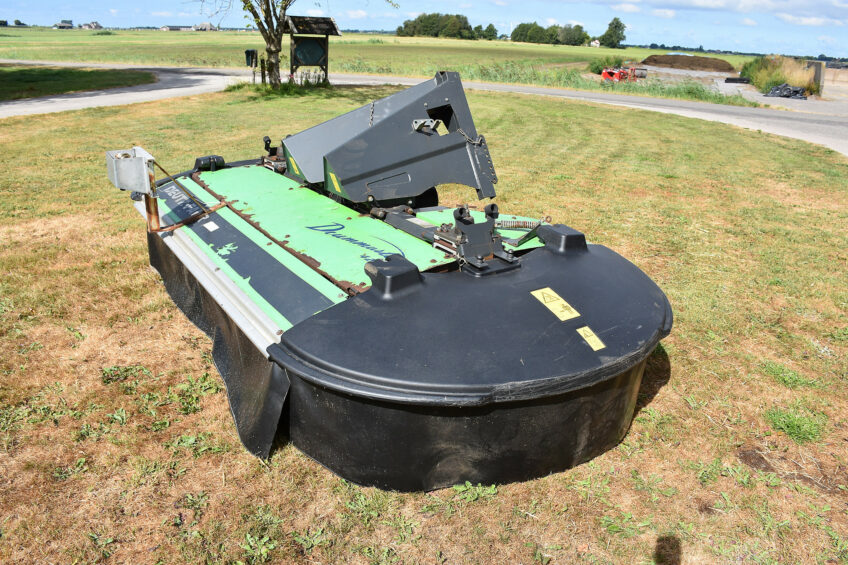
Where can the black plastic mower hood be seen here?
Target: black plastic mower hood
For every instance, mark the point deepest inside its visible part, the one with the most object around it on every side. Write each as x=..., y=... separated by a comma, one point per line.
x=456, y=340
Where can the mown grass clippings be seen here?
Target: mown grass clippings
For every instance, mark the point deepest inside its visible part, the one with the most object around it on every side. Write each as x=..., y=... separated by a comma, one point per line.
x=801, y=424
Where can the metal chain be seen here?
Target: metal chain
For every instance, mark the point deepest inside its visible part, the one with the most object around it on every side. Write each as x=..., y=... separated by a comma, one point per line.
x=371, y=119
x=478, y=141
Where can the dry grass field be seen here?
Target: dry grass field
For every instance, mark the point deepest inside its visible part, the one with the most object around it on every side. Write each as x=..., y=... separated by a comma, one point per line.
x=116, y=442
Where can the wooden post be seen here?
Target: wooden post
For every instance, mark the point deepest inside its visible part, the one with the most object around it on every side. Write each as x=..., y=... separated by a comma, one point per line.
x=262, y=67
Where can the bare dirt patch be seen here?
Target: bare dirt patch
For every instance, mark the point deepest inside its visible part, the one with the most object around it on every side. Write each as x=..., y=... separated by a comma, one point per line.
x=692, y=63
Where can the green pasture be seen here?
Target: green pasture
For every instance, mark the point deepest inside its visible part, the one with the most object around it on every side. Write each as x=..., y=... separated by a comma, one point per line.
x=412, y=56
x=116, y=440
x=27, y=82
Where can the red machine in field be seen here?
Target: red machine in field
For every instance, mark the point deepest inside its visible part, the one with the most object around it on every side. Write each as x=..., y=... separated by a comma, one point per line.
x=619, y=74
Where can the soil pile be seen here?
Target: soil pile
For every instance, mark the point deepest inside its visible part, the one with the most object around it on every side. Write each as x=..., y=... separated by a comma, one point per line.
x=690, y=63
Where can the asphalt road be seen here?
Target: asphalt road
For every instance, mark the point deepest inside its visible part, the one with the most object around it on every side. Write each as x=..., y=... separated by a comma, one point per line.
x=817, y=123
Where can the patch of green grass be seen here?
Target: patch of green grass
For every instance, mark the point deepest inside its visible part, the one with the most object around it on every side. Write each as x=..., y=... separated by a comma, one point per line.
x=189, y=393
x=109, y=375
x=366, y=508
x=708, y=472
x=801, y=424
x=257, y=550
x=196, y=502
x=472, y=493
x=28, y=82
x=101, y=543
x=652, y=485
x=197, y=444
x=623, y=524
x=459, y=497
x=119, y=417
x=63, y=473
x=787, y=377
x=309, y=539
x=405, y=527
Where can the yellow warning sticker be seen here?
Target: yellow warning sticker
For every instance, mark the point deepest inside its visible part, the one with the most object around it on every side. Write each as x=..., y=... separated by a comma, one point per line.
x=555, y=304
x=594, y=341
x=335, y=183
x=294, y=166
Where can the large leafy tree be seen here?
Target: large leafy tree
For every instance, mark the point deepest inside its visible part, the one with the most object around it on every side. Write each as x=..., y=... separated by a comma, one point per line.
x=614, y=34
x=573, y=35
x=269, y=17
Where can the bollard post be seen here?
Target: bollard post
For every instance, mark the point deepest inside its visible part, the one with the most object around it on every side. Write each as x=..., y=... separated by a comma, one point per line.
x=262, y=68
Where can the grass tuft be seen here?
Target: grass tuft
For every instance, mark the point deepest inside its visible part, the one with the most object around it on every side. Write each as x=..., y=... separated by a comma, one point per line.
x=788, y=377
x=801, y=424
x=109, y=375
x=773, y=70
x=598, y=65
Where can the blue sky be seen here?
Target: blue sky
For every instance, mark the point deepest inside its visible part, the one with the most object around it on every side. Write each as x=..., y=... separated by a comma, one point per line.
x=768, y=26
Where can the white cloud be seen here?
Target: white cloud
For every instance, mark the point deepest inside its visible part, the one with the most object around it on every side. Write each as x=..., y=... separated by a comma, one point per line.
x=826, y=39
x=808, y=20
x=466, y=5
x=499, y=2
x=315, y=12
x=627, y=8
x=357, y=14
x=575, y=23
x=413, y=14
x=748, y=22
x=551, y=21
x=162, y=14
x=113, y=11
x=664, y=13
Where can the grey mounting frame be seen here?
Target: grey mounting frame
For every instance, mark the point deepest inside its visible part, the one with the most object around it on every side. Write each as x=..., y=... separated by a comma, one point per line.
x=390, y=149
x=131, y=169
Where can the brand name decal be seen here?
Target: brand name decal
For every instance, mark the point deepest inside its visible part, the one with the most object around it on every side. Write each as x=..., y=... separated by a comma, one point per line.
x=336, y=229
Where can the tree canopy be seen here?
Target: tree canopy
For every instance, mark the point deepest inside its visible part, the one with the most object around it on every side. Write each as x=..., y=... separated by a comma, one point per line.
x=564, y=35
x=573, y=35
x=445, y=25
x=614, y=34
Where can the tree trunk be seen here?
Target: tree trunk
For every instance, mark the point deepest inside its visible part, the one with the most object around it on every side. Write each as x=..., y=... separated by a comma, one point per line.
x=273, y=65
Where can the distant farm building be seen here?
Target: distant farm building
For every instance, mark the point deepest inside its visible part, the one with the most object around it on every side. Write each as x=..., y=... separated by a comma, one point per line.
x=595, y=43
x=205, y=26
x=91, y=25
x=64, y=24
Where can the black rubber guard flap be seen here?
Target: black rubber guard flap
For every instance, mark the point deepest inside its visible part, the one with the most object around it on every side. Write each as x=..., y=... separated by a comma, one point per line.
x=377, y=151
x=256, y=388
x=451, y=339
